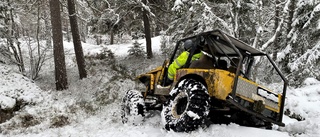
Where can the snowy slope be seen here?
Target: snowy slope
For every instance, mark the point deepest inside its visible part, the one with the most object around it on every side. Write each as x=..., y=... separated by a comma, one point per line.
x=90, y=107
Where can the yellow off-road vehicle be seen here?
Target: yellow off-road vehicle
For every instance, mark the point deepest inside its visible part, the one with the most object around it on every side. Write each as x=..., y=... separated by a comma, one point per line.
x=209, y=90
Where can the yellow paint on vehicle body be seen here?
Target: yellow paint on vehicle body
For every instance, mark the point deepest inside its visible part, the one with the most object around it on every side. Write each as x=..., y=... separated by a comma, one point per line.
x=219, y=82
x=223, y=84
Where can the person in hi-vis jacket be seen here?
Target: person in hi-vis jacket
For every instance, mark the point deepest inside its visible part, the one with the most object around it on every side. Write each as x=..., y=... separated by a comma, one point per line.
x=182, y=59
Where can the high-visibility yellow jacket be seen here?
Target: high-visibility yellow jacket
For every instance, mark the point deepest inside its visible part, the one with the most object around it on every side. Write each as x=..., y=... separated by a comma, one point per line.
x=179, y=62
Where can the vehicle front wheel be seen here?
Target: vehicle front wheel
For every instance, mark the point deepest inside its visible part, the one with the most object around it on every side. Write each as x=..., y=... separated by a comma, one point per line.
x=187, y=107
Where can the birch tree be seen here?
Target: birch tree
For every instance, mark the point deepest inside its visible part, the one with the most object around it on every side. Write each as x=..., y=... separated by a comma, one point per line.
x=10, y=32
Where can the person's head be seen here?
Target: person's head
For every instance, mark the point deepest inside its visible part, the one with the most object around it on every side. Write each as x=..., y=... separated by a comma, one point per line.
x=188, y=44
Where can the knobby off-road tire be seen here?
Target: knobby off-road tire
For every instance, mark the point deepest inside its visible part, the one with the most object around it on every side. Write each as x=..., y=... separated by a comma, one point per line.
x=133, y=108
x=187, y=107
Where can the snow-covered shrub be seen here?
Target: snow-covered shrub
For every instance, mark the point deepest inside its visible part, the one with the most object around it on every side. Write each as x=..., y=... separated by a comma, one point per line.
x=105, y=54
x=105, y=57
x=59, y=121
x=136, y=50
x=23, y=105
x=13, y=96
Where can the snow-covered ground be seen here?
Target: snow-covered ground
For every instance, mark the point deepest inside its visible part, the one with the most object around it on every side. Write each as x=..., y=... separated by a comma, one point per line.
x=91, y=107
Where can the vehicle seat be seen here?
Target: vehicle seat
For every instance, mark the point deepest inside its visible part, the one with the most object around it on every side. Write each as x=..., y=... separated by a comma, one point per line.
x=204, y=62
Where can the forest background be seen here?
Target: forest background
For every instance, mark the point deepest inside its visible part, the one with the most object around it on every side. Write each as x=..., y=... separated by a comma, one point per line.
x=31, y=31
x=286, y=29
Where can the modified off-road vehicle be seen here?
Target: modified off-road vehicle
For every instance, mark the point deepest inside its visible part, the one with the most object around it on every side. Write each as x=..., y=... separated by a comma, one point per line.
x=209, y=90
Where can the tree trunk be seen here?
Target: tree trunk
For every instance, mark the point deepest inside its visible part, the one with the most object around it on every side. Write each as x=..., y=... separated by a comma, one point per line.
x=235, y=18
x=292, y=8
x=58, y=51
x=111, y=36
x=258, y=23
x=21, y=58
x=76, y=39
x=276, y=24
x=147, y=31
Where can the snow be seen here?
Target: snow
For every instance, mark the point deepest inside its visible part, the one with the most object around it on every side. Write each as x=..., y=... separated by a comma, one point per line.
x=304, y=101
x=284, y=53
x=15, y=87
x=7, y=102
x=310, y=81
x=91, y=107
x=177, y=5
x=193, y=115
x=270, y=96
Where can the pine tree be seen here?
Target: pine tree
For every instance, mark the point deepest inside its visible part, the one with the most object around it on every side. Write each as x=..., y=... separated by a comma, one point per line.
x=58, y=51
x=301, y=56
x=136, y=50
x=76, y=39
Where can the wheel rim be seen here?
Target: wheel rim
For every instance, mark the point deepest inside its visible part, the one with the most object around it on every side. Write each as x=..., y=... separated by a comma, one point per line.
x=180, y=104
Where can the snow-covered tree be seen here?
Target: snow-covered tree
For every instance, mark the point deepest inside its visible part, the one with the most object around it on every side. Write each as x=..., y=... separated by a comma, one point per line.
x=300, y=57
x=287, y=30
x=136, y=50
x=192, y=17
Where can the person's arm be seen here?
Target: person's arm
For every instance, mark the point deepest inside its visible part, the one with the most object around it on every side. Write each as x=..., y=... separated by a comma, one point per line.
x=177, y=63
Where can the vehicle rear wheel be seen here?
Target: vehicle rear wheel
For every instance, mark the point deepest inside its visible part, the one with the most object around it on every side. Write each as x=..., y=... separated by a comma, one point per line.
x=187, y=107
x=133, y=107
